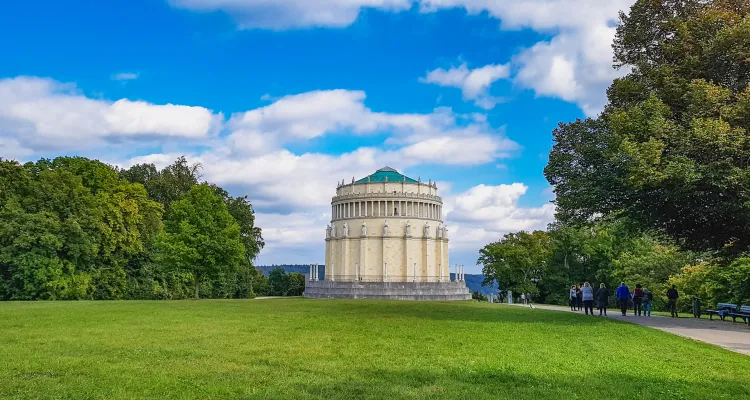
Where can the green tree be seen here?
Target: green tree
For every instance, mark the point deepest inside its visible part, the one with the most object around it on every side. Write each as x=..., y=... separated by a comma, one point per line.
x=670, y=152
x=200, y=237
x=296, y=284
x=516, y=261
x=278, y=282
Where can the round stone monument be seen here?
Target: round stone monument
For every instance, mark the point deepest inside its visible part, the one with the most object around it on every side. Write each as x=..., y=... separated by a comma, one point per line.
x=387, y=239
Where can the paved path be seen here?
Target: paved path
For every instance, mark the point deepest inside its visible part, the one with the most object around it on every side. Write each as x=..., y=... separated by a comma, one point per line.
x=732, y=336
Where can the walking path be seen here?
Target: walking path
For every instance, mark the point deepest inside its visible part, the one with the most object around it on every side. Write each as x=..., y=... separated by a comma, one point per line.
x=731, y=336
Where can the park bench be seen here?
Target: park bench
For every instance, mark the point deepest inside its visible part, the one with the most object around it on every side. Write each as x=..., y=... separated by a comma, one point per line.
x=722, y=310
x=743, y=313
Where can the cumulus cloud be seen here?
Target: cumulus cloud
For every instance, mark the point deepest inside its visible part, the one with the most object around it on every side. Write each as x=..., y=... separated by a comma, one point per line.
x=440, y=136
x=574, y=65
x=42, y=113
x=484, y=213
x=474, y=83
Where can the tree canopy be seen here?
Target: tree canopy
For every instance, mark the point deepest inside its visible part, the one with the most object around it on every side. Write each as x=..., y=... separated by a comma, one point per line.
x=670, y=152
x=74, y=228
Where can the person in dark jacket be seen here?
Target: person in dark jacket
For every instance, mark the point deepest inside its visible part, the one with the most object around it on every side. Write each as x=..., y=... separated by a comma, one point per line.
x=638, y=300
x=672, y=296
x=602, y=297
x=623, y=296
x=579, y=298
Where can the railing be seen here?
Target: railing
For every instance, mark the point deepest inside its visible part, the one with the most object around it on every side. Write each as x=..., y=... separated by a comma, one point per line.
x=400, y=195
x=380, y=278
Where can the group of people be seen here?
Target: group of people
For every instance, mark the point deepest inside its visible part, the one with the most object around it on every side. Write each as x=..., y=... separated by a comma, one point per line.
x=526, y=299
x=583, y=296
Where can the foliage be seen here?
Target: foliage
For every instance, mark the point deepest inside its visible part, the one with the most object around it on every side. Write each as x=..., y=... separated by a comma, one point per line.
x=345, y=349
x=516, y=261
x=201, y=237
x=671, y=151
x=74, y=228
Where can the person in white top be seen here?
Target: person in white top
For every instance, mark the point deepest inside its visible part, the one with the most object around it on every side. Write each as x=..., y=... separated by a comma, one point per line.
x=523, y=299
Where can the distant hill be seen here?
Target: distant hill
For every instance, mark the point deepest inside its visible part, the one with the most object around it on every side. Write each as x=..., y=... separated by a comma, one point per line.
x=473, y=281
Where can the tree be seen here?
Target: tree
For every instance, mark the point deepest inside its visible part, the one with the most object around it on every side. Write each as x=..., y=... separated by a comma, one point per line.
x=278, y=282
x=516, y=261
x=167, y=185
x=671, y=151
x=201, y=237
x=296, y=284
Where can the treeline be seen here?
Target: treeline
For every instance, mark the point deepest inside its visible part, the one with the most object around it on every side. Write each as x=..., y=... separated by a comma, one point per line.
x=546, y=263
x=655, y=189
x=74, y=228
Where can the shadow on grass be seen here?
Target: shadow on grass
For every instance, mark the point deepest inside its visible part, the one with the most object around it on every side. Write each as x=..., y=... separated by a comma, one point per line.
x=502, y=383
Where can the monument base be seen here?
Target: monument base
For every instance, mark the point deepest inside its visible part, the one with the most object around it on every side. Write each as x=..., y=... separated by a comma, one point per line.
x=439, y=291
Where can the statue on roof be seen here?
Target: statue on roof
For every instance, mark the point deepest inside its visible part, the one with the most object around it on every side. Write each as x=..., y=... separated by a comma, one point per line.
x=364, y=228
x=385, y=228
x=408, y=228
x=419, y=179
x=445, y=231
x=427, y=229
x=386, y=178
x=368, y=178
x=333, y=231
x=328, y=231
x=346, y=229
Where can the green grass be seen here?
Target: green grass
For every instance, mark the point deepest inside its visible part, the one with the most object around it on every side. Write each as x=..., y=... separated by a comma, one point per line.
x=332, y=349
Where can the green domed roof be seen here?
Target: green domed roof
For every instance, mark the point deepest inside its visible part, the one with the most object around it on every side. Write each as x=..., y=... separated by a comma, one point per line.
x=387, y=172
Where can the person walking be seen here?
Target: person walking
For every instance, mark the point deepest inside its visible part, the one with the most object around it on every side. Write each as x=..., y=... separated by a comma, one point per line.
x=572, y=297
x=602, y=297
x=648, y=298
x=623, y=296
x=528, y=298
x=672, y=297
x=587, y=293
x=579, y=297
x=637, y=300
x=523, y=298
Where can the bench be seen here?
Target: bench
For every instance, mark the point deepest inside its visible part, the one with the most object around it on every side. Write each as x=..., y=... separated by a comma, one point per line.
x=722, y=310
x=743, y=312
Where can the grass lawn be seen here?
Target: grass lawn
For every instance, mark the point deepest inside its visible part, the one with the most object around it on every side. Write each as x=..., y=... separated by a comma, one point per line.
x=336, y=349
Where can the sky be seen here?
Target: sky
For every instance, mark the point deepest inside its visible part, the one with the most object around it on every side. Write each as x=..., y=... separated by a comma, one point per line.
x=281, y=99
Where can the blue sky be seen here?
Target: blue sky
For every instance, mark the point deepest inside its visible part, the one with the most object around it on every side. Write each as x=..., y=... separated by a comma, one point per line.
x=277, y=96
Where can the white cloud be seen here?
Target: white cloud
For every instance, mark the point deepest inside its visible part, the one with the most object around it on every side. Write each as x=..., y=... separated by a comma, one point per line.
x=125, y=76
x=441, y=137
x=574, y=65
x=474, y=84
x=43, y=113
x=286, y=14
x=484, y=213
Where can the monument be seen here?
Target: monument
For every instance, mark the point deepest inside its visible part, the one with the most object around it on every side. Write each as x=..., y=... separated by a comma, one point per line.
x=388, y=259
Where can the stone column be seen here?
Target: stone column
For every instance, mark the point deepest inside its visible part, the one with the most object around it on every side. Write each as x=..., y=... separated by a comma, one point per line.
x=315, y=269
x=311, y=272
x=438, y=257
x=363, y=254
